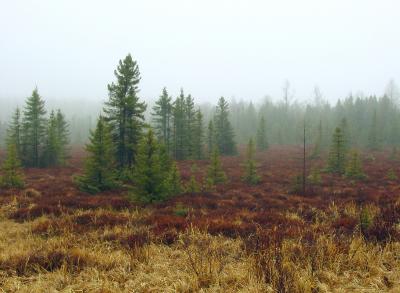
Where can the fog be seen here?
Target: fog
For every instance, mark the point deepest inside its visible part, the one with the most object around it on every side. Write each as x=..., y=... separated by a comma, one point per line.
x=241, y=49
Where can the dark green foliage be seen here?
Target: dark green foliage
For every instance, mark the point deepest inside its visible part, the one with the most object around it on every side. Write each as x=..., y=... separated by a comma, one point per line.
x=162, y=118
x=148, y=174
x=173, y=182
x=52, y=145
x=250, y=176
x=223, y=129
x=215, y=173
x=354, y=166
x=14, y=131
x=34, y=130
x=373, y=141
x=62, y=137
x=345, y=134
x=198, y=136
x=180, y=142
x=12, y=175
x=125, y=113
x=262, y=142
x=193, y=186
x=211, y=138
x=337, y=153
x=99, y=174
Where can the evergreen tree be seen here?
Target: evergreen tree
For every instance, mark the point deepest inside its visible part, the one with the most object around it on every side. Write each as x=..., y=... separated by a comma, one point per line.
x=124, y=112
x=337, y=154
x=215, y=173
x=99, y=174
x=373, y=142
x=251, y=176
x=52, y=146
x=354, y=167
x=12, y=175
x=224, y=132
x=198, y=136
x=14, y=132
x=165, y=158
x=211, y=138
x=193, y=186
x=62, y=137
x=173, y=182
x=190, y=116
x=162, y=117
x=345, y=134
x=34, y=130
x=148, y=174
x=262, y=142
x=179, y=128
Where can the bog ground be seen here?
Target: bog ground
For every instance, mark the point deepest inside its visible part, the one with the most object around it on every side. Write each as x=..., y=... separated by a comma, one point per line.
x=342, y=236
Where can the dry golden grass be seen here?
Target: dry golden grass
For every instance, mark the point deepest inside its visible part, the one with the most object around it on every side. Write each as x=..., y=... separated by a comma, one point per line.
x=67, y=260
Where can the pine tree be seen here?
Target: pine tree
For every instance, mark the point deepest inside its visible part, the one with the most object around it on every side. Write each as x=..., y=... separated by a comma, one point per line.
x=250, y=176
x=215, y=173
x=262, y=142
x=224, y=132
x=148, y=174
x=190, y=116
x=345, y=134
x=198, y=136
x=162, y=118
x=211, y=138
x=34, y=130
x=125, y=113
x=165, y=158
x=193, y=186
x=51, y=152
x=337, y=154
x=373, y=143
x=354, y=166
x=12, y=175
x=14, y=132
x=173, y=182
x=179, y=128
x=99, y=174
x=62, y=137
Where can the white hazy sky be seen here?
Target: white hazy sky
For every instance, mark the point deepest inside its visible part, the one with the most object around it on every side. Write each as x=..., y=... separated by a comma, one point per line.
x=243, y=49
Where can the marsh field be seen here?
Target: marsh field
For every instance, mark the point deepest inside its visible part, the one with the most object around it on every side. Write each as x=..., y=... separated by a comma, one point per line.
x=341, y=236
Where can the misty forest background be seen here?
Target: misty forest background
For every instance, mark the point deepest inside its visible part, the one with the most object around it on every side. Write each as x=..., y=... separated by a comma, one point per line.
x=362, y=116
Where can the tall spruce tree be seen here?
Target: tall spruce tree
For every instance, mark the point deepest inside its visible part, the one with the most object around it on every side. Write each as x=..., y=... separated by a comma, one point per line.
x=211, y=138
x=52, y=145
x=162, y=118
x=148, y=176
x=33, y=130
x=12, y=176
x=124, y=112
x=224, y=131
x=250, y=176
x=198, y=136
x=62, y=137
x=99, y=172
x=262, y=142
x=337, y=153
x=179, y=128
x=189, y=125
x=14, y=131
